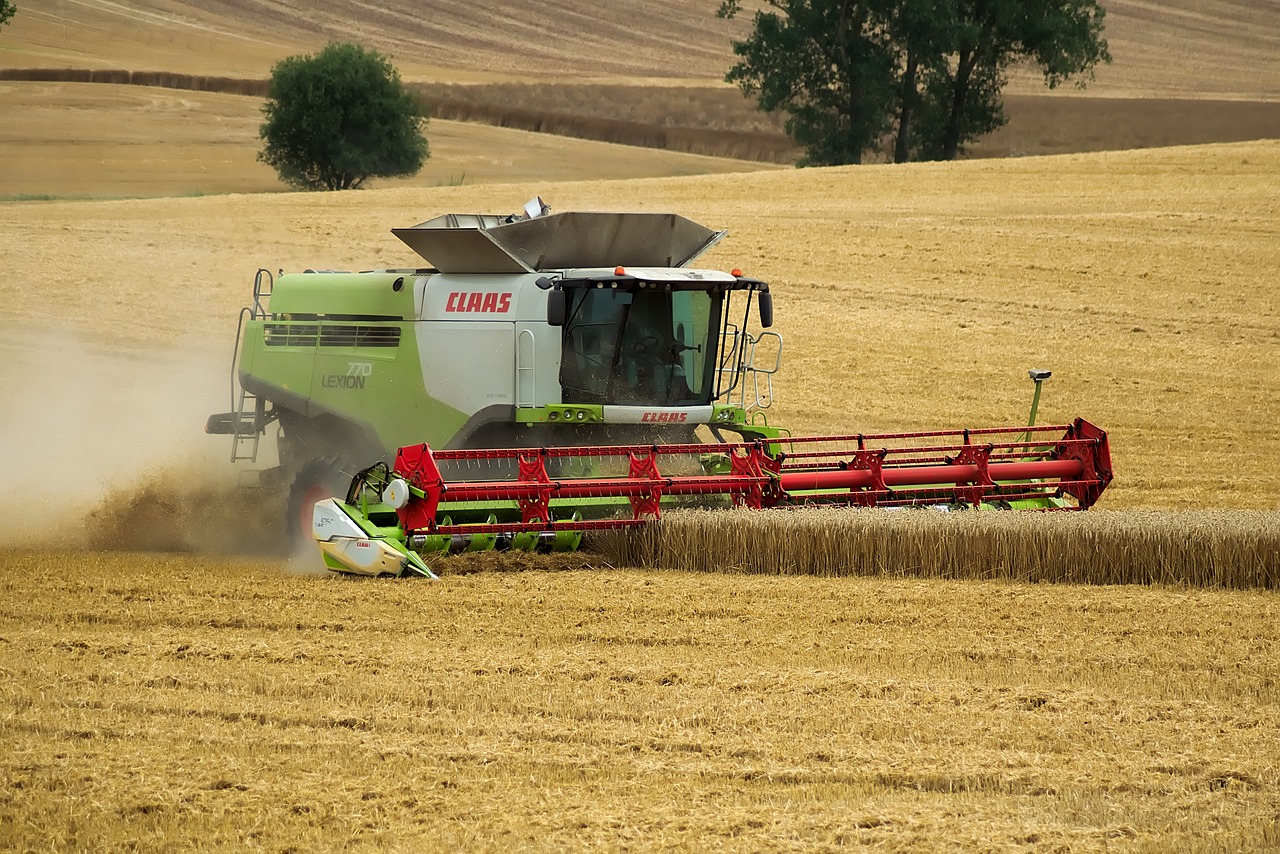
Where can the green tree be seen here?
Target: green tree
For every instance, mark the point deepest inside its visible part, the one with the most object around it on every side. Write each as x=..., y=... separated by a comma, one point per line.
x=827, y=66
x=961, y=88
x=6, y=11
x=958, y=104
x=844, y=71
x=340, y=117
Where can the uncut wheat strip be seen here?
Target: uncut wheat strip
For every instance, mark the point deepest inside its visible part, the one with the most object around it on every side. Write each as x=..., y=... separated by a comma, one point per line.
x=1238, y=549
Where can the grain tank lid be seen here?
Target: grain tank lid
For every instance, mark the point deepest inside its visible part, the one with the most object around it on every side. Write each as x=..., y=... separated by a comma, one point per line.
x=484, y=243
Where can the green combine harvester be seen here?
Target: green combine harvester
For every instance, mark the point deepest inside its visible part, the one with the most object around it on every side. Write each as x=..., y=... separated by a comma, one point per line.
x=551, y=374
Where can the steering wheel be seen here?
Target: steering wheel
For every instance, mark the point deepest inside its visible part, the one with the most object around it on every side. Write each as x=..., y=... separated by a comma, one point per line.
x=648, y=345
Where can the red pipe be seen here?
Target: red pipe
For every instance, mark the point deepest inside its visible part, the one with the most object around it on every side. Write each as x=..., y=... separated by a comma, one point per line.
x=789, y=481
x=597, y=487
x=951, y=474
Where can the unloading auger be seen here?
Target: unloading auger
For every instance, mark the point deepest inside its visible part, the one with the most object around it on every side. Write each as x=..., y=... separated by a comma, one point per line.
x=436, y=502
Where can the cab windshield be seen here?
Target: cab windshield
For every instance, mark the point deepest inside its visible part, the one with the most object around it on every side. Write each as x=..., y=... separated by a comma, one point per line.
x=642, y=347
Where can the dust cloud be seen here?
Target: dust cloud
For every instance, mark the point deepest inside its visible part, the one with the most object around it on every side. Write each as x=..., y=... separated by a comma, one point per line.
x=104, y=448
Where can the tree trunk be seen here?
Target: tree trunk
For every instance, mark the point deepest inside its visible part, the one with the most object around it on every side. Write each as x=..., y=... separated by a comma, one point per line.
x=853, y=16
x=902, y=149
x=959, y=93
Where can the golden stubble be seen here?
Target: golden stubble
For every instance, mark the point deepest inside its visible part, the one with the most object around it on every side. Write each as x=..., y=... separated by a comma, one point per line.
x=909, y=297
x=106, y=141
x=1179, y=48
x=183, y=701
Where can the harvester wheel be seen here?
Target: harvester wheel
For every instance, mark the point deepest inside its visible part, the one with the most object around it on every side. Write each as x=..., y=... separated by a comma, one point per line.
x=319, y=479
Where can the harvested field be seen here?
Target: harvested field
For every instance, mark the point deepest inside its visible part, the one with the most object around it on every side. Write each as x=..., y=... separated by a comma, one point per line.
x=165, y=701
x=715, y=122
x=665, y=91
x=201, y=699
x=720, y=122
x=909, y=297
x=196, y=143
x=1176, y=49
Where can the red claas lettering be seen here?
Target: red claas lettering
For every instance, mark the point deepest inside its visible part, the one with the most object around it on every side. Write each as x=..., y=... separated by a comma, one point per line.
x=478, y=302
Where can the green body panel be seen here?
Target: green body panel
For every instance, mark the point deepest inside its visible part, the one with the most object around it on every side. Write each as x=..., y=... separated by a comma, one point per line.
x=368, y=294
x=561, y=413
x=381, y=387
x=328, y=343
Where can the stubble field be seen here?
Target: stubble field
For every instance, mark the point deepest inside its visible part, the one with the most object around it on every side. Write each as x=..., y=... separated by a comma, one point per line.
x=909, y=298
x=159, y=690
x=86, y=141
x=155, y=701
x=165, y=702
x=1175, y=49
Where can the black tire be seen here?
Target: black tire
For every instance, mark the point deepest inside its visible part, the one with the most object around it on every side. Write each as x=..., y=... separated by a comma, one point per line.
x=319, y=479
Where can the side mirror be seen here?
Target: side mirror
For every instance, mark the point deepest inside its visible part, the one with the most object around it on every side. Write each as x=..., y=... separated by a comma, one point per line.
x=556, y=307
x=766, y=309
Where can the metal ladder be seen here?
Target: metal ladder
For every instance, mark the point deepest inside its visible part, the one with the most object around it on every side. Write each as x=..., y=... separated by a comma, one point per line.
x=248, y=430
x=745, y=376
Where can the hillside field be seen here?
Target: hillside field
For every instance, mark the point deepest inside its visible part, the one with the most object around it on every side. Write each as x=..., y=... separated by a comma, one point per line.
x=1173, y=49
x=908, y=297
x=110, y=141
x=169, y=682
x=211, y=701
x=649, y=74
x=200, y=143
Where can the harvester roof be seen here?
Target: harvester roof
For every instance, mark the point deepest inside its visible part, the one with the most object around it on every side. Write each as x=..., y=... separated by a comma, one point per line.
x=486, y=243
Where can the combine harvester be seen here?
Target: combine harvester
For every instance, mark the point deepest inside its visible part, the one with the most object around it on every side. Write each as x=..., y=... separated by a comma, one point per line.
x=571, y=373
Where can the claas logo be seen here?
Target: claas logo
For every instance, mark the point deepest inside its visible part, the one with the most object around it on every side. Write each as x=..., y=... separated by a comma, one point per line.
x=665, y=417
x=494, y=303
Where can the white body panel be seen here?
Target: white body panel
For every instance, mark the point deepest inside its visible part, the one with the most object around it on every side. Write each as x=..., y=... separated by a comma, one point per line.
x=538, y=367
x=343, y=541
x=484, y=340
x=657, y=414
x=468, y=366
x=480, y=297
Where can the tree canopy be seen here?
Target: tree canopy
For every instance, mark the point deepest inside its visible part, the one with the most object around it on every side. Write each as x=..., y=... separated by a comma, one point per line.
x=340, y=117
x=6, y=11
x=813, y=60
x=845, y=72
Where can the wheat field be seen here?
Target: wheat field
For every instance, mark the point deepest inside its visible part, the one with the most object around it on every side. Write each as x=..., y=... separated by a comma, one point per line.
x=1214, y=549
x=193, y=699
x=824, y=681
x=908, y=297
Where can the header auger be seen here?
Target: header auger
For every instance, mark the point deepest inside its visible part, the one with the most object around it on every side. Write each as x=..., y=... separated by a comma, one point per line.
x=394, y=516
